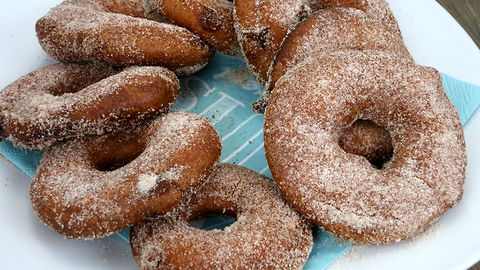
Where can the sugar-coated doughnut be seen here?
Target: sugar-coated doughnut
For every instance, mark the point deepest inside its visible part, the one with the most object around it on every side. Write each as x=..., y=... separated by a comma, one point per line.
x=64, y=100
x=268, y=232
x=212, y=20
x=335, y=29
x=119, y=33
x=94, y=186
x=262, y=25
x=315, y=101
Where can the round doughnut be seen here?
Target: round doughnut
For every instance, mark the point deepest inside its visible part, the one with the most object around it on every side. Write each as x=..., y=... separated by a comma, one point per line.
x=212, y=20
x=334, y=29
x=268, y=232
x=119, y=33
x=93, y=186
x=343, y=193
x=64, y=100
x=262, y=25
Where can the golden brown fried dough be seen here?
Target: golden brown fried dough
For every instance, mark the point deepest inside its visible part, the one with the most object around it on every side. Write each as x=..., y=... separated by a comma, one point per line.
x=343, y=193
x=66, y=100
x=119, y=33
x=94, y=186
x=212, y=20
x=268, y=232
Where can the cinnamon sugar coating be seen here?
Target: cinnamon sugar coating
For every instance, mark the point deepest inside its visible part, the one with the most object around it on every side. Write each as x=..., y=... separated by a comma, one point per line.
x=66, y=100
x=94, y=186
x=119, y=33
x=268, y=232
x=212, y=20
x=343, y=193
x=336, y=29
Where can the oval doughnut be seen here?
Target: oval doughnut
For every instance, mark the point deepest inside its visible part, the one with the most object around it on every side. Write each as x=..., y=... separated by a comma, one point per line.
x=94, y=186
x=88, y=30
x=334, y=29
x=262, y=25
x=212, y=20
x=341, y=192
x=65, y=100
x=268, y=232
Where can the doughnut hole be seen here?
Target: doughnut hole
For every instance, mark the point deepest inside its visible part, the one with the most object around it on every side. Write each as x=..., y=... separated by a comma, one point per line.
x=104, y=157
x=367, y=139
x=213, y=222
x=212, y=214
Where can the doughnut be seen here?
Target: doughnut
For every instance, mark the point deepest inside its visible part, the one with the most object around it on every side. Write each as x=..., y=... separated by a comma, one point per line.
x=268, y=232
x=119, y=33
x=261, y=26
x=341, y=192
x=65, y=100
x=334, y=29
x=93, y=186
x=212, y=20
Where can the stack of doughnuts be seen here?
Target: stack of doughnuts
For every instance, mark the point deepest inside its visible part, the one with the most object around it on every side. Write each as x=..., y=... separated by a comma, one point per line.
x=113, y=155
x=119, y=66
x=340, y=83
x=361, y=140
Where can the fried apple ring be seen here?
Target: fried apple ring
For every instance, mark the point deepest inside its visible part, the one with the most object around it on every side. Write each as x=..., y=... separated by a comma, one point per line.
x=268, y=232
x=94, y=186
x=343, y=193
x=66, y=100
x=119, y=33
x=212, y=20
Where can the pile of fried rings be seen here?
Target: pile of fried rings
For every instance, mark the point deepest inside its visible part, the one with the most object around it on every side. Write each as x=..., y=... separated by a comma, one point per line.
x=361, y=140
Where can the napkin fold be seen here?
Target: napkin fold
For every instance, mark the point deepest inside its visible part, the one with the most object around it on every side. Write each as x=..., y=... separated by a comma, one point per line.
x=464, y=96
x=244, y=145
x=25, y=160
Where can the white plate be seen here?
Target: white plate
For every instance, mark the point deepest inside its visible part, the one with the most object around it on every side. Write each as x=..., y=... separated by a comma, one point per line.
x=433, y=38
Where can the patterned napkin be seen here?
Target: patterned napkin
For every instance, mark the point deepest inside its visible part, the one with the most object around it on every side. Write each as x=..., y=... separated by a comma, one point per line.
x=465, y=96
x=223, y=94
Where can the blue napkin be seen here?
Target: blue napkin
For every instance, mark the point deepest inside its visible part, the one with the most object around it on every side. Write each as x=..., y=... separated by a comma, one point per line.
x=223, y=93
x=25, y=160
x=464, y=96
